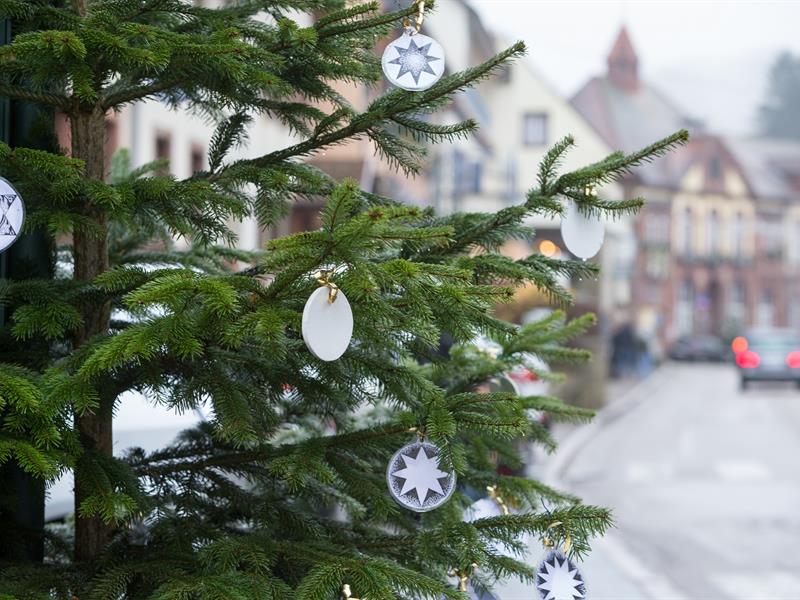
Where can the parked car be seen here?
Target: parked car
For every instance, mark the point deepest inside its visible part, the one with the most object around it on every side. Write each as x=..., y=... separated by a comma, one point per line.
x=699, y=348
x=770, y=355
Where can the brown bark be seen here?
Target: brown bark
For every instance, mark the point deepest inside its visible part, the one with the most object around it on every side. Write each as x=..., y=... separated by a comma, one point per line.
x=91, y=259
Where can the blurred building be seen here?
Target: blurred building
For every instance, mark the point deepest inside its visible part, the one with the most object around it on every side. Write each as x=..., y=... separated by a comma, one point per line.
x=717, y=240
x=520, y=118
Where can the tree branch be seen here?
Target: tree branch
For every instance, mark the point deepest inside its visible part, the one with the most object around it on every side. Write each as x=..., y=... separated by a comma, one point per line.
x=406, y=102
x=139, y=93
x=18, y=93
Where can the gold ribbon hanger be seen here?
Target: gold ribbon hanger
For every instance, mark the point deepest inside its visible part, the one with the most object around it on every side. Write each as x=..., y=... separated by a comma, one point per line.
x=418, y=19
x=324, y=278
x=549, y=543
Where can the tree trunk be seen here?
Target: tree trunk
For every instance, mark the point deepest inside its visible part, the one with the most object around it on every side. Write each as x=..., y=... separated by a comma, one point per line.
x=91, y=259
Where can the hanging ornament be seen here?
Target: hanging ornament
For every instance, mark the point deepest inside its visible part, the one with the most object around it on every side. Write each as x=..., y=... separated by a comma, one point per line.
x=414, y=61
x=12, y=214
x=415, y=479
x=557, y=578
x=327, y=320
x=583, y=234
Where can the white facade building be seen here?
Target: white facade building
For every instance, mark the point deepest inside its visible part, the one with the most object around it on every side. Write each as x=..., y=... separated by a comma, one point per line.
x=520, y=117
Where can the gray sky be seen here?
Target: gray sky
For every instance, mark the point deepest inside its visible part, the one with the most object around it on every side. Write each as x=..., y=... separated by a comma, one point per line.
x=711, y=57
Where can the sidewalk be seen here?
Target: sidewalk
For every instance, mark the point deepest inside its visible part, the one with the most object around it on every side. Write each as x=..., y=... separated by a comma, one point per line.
x=611, y=572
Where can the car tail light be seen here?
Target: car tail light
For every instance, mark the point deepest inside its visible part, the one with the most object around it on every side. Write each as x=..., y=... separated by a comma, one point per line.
x=793, y=360
x=748, y=359
x=739, y=344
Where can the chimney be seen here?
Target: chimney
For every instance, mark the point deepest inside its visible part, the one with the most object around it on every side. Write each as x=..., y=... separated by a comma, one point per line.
x=623, y=65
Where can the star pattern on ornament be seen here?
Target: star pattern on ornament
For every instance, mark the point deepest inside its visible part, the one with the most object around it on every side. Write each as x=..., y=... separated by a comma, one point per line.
x=558, y=579
x=421, y=474
x=6, y=200
x=414, y=60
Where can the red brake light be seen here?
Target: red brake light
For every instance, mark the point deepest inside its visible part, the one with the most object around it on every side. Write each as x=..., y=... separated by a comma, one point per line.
x=793, y=360
x=749, y=359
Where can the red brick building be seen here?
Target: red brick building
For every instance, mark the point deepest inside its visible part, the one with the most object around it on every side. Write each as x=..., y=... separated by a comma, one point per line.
x=718, y=244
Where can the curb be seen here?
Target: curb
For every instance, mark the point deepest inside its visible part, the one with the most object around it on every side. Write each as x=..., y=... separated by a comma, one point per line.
x=654, y=585
x=571, y=446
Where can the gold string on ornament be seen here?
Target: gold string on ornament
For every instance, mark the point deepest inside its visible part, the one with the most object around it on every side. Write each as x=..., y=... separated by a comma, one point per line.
x=549, y=543
x=324, y=278
x=463, y=576
x=418, y=19
x=494, y=494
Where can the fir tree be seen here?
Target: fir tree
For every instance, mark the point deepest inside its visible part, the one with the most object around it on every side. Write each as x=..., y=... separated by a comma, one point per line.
x=282, y=494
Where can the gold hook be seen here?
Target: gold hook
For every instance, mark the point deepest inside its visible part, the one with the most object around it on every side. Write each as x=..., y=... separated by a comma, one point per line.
x=549, y=542
x=420, y=14
x=324, y=278
x=463, y=577
x=495, y=495
x=418, y=19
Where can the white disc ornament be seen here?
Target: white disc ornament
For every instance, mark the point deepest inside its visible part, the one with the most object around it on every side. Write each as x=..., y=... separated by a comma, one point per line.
x=12, y=214
x=582, y=234
x=557, y=578
x=413, y=61
x=327, y=326
x=415, y=479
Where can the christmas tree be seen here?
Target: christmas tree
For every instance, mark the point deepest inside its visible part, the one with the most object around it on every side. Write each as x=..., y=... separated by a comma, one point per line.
x=283, y=492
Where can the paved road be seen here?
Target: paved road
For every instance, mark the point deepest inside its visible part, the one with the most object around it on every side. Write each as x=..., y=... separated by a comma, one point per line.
x=704, y=481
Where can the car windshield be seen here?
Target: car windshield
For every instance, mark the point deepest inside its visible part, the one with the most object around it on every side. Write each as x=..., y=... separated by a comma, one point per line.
x=774, y=342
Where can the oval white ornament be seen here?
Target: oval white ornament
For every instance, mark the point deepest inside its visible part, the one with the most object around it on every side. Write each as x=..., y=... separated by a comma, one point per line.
x=12, y=214
x=327, y=326
x=583, y=235
x=415, y=480
x=413, y=61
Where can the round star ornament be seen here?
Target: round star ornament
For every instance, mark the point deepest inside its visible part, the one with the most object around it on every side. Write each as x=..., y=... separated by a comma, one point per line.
x=414, y=61
x=415, y=479
x=12, y=214
x=582, y=234
x=557, y=578
x=327, y=324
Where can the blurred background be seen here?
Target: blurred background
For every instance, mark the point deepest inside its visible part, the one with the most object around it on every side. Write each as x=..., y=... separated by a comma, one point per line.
x=697, y=358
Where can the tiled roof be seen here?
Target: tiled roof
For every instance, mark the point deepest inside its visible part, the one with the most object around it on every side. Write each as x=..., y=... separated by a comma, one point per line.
x=771, y=166
x=630, y=120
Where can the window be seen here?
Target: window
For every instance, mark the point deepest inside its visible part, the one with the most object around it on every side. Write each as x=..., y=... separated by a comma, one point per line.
x=770, y=233
x=765, y=315
x=163, y=150
x=656, y=229
x=737, y=306
x=738, y=236
x=684, y=312
x=467, y=174
x=534, y=130
x=687, y=232
x=713, y=234
x=197, y=158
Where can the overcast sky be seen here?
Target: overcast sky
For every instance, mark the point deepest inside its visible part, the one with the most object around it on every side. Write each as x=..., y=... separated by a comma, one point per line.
x=712, y=58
